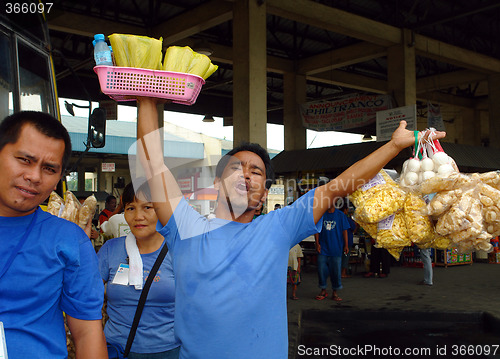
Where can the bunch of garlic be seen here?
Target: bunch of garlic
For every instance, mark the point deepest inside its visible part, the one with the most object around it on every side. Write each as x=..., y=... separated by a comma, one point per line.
x=429, y=161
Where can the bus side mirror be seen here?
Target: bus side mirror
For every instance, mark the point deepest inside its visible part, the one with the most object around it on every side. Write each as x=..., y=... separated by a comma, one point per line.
x=97, y=128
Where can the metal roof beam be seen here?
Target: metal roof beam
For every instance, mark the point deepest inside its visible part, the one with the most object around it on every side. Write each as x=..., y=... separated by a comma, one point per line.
x=199, y=19
x=354, y=81
x=335, y=20
x=84, y=25
x=348, y=55
x=450, y=79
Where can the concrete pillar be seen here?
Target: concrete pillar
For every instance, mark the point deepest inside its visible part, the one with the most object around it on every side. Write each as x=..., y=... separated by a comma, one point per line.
x=249, y=72
x=494, y=109
x=401, y=71
x=294, y=94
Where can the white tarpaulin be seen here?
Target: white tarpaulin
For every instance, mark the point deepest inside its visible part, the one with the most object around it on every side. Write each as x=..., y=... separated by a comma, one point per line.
x=345, y=113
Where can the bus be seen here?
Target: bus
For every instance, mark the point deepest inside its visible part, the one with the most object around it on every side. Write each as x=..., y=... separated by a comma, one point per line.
x=27, y=78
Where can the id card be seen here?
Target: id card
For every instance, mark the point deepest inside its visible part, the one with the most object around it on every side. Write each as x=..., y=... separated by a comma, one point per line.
x=121, y=276
x=3, y=345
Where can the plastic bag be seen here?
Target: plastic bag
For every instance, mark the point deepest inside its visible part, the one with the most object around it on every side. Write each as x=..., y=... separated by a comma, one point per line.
x=87, y=211
x=377, y=199
x=392, y=232
x=418, y=223
x=137, y=51
x=55, y=204
x=71, y=208
x=429, y=160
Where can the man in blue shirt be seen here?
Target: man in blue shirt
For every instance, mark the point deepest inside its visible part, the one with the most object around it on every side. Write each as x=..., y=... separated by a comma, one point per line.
x=231, y=270
x=331, y=244
x=48, y=265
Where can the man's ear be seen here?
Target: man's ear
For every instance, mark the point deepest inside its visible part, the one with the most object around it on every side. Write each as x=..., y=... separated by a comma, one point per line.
x=217, y=183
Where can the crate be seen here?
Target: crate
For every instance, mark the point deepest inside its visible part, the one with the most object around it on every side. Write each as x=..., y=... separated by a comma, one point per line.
x=126, y=83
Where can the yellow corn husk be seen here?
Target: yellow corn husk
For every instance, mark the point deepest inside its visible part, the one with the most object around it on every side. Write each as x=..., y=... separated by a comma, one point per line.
x=170, y=59
x=199, y=64
x=120, y=50
x=211, y=69
x=145, y=52
x=178, y=58
x=137, y=51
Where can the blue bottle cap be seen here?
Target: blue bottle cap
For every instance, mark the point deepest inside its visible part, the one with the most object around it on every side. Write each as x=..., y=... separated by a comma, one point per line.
x=98, y=37
x=93, y=42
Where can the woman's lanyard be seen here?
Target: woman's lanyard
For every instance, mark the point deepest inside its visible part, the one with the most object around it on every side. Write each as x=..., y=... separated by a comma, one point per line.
x=19, y=245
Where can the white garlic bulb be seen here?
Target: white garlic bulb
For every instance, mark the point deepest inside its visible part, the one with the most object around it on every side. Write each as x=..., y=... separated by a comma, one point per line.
x=440, y=158
x=427, y=164
x=413, y=165
x=428, y=174
x=411, y=178
x=445, y=169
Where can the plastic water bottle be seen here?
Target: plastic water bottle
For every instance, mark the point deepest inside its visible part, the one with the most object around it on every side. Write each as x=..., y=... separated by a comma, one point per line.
x=102, y=54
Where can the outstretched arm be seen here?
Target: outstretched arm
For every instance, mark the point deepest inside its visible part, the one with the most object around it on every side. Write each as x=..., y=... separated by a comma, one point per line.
x=164, y=189
x=363, y=170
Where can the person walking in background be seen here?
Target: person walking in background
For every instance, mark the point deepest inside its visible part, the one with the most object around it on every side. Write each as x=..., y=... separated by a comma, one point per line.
x=294, y=259
x=331, y=245
x=353, y=227
x=48, y=266
x=140, y=248
x=116, y=226
x=378, y=257
x=109, y=208
x=425, y=257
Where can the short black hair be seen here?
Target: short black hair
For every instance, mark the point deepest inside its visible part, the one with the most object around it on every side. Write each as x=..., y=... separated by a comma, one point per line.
x=251, y=147
x=110, y=198
x=11, y=126
x=129, y=194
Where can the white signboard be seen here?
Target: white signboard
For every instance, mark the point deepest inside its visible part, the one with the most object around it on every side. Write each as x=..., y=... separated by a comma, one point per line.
x=388, y=121
x=434, y=118
x=108, y=167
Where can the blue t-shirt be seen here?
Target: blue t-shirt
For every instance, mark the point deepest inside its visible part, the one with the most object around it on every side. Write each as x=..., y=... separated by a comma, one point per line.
x=350, y=231
x=231, y=280
x=155, y=332
x=56, y=270
x=331, y=238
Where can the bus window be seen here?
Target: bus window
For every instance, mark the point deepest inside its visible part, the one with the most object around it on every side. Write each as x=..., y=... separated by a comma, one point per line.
x=34, y=80
x=6, y=77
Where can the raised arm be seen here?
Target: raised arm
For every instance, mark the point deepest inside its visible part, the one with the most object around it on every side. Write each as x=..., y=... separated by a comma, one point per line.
x=363, y=170
x=165, y=191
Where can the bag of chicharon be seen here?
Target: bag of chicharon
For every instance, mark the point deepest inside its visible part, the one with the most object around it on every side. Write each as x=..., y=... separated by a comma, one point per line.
x=71, y=209
x=377, y=199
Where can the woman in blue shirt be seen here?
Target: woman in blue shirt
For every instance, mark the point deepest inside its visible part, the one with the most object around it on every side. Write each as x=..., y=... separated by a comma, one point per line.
x=124, y=264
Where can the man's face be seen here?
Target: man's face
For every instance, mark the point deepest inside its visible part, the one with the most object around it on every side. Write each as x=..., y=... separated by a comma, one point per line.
x=111, y=205
x=242, y=186
x=30, y=170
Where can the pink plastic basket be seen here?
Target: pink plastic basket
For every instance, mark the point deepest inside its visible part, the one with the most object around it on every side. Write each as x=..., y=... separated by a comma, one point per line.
x=120, y=83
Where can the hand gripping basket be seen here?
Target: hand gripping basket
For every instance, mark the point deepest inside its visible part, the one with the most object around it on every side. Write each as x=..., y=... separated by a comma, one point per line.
x=125, y=83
